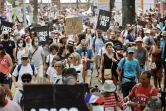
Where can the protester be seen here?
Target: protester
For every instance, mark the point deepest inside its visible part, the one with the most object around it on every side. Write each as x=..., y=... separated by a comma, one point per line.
x=6, y=104
x=141, y=92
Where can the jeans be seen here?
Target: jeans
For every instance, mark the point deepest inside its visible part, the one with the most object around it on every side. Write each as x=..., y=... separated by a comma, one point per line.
x=127, y=87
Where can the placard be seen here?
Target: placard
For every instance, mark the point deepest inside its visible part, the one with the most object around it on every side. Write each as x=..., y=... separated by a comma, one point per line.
x=43, y=34
x=73, y=26
x=6, y=26
x=142, y=23
x=54, y=97
x=103, y=22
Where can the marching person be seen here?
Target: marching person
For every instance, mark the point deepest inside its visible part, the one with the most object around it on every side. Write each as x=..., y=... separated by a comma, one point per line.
x=37, y=58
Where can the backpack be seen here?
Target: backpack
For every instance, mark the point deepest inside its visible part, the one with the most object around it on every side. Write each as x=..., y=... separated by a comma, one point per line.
x=95, y=41
x=137, y=85
x=21, y=102
x=32, y=66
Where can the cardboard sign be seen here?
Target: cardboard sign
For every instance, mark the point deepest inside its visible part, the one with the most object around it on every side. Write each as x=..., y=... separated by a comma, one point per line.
x=43, y=34
x=54, y=97
x=142, y=23
x=104, y=19
x=6, y=26
x=73, y=26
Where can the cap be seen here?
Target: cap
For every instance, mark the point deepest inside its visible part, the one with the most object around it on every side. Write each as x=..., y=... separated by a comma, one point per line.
x=139, y=39
x=24, y=56
x=1, y=47
x=57, y=58
x=130, y=49
x=70, y=71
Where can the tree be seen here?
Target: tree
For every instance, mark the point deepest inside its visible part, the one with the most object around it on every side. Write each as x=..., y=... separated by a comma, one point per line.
x=35, y=11
x=128, y=12
x=112, y=4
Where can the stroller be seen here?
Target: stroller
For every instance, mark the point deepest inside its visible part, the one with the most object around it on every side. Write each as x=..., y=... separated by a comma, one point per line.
x=163, y=99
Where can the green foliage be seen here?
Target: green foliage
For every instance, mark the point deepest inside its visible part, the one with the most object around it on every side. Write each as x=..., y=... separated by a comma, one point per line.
x=164, y=1
x=87, y=5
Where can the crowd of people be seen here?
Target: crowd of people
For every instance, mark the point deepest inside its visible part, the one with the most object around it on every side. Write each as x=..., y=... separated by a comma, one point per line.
x=125, y=61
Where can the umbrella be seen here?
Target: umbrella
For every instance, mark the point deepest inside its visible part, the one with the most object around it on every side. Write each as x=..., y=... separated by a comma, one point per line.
x=70, y=16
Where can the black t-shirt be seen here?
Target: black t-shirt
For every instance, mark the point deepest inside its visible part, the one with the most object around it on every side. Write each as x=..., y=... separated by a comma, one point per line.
x=9, y=46
x=117, y=44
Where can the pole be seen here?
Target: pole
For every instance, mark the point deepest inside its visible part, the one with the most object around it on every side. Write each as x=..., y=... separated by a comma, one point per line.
x=161, y=7
x=77, y=4
x=24, y=13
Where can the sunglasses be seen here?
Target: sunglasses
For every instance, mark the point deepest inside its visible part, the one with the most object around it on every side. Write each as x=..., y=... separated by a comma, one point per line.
x=131, y=52
x=24, y=58
x=26, y=80
x=99, y=33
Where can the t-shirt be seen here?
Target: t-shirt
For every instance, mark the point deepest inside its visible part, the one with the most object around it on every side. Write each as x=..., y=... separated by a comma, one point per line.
x=130, y=68
x=79, y=70
x=99, y=43
x=11, y=106
x=49, y=59
x=4, y=64
x=51, y=72
x=23, y=70
x=142, y=94
x=37, y=56
x=9, y=46
x=141, y=55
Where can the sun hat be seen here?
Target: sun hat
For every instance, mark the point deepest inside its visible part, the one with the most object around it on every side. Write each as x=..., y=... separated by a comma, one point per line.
x=163, y=33
x=108, y=86
x=139, y=39
x=130, y=49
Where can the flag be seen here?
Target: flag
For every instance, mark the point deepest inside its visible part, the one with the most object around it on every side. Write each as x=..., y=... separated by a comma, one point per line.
x=89, y=98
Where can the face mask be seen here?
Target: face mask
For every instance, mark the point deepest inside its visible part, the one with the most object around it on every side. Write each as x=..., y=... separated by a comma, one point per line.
x=20, y=45
x=5, y=36
x=36, y=43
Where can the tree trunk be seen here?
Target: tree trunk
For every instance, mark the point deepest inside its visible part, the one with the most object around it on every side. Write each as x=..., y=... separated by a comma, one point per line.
x=2, y=5
x=128, y=12
x=35, y=11
x=112, y=4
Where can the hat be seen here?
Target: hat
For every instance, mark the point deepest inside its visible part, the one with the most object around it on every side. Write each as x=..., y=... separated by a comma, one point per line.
x=163, y=33
x=67, y=79
x=19, y=24
x=56, y=32
x=139, y=39
x=147, y=32
x=130, y=49
x=1, y=47
x=70, y=71
x=108, y=86
x=57, y=58
x=63, y=36
x=108, y=42
x=24, y=56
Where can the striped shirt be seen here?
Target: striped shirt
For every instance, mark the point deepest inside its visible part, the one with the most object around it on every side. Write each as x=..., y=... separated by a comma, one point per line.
x=110, y=101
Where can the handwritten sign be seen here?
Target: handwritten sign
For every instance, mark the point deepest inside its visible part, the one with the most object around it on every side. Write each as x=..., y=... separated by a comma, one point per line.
x=104, y=19
x=6, y=26
x=73, y=26
x=54, y=97
x=43, y=34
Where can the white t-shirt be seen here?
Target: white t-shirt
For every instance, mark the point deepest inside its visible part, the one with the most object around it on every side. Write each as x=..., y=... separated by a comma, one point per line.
x=80, y=69
x=51, y=72
x=37, y=56
x=49, y=59
x=19, y=54
x=11, y=106
x=23, y=70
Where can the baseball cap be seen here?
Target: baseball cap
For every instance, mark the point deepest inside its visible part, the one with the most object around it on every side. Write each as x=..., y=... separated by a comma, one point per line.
x=130, y=49
x=24, y=56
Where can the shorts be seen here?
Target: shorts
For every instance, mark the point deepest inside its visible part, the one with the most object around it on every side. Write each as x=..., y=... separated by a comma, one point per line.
x=3, y=79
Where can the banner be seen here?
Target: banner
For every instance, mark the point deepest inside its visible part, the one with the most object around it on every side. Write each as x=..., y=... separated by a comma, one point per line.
x=6, y=26
x=104, y=19
x=73, y=26
x=43, y=34
x=50, y=97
